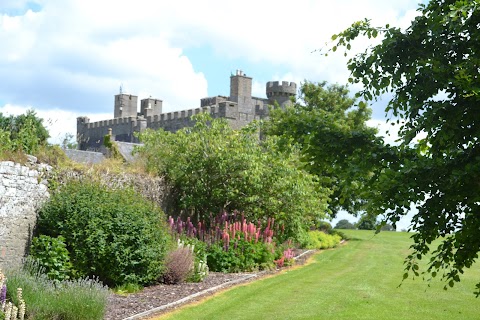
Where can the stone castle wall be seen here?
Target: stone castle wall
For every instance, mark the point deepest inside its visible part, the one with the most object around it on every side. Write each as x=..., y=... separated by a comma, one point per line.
x=22, y=191
x=239, y=109
x=91, y=133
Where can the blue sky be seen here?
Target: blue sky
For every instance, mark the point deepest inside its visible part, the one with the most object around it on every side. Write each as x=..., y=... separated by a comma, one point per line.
x=68, y=58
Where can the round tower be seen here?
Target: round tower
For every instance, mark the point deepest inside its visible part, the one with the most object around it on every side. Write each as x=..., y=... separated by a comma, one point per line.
x=281, y=92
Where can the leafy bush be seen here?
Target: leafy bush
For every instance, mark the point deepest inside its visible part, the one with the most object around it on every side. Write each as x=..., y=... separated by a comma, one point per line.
x=52, y=255
x=82, y=299
x=179, y=265
x=127, y=288
x=24, y=132
x=321, y=240
x=240, y=255
x=115, y=235
x=323, y=226
x=341, y=234
x=213, y=168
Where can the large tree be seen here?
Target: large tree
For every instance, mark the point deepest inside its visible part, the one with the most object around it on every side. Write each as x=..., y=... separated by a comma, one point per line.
x=213, y=168
x=335, y=142
x=432, y=71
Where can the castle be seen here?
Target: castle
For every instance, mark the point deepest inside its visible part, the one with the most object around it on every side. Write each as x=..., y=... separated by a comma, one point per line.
x=239, y=109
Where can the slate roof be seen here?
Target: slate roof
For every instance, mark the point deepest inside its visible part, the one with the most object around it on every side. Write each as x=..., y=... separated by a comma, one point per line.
x=81, y=156
x=126, y=149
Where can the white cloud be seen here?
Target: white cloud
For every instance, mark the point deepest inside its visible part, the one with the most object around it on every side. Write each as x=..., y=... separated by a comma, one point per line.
x=73, y=55
x=57, y=121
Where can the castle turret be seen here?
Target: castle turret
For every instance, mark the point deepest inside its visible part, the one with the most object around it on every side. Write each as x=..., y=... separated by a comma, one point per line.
x=240, y=87
x=125, y=105
x=82, y=123
x=281, y=92
x=150, y=107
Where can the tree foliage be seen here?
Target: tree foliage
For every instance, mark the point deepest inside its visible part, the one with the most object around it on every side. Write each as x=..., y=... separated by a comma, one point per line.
x=25, y=132
x=213, y=168
x=344, y=224
x=335, y=142
x=367, y=222
x=432, y=71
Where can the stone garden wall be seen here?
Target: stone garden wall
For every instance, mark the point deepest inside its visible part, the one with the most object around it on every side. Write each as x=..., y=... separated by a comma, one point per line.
x=22, y=190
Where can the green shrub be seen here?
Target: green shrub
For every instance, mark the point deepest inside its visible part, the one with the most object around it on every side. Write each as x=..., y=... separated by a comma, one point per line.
x=240, y=256
x=25, y=132
x=321, y=240
x=127, y=288
x=115, y=235
x=52, y=255
x=324, y=226
x=82, y=299
x=339, y=233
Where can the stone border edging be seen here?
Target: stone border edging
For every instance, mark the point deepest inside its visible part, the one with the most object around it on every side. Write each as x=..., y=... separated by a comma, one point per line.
x=302, y=254
x=171, y=304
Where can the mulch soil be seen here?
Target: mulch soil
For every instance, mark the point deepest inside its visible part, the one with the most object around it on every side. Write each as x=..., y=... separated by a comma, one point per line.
x=123, y=306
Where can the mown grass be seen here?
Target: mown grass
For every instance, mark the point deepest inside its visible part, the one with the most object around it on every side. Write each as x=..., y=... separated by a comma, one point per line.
x=359, y=280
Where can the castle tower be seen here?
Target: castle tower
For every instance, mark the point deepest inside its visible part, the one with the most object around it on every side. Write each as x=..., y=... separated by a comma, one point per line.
x=82, y=123
x=240, y=87
x=281, y=92
x=150, y=107
x=125, y=105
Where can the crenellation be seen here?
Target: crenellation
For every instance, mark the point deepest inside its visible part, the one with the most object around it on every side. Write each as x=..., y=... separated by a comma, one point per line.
x=239, y=108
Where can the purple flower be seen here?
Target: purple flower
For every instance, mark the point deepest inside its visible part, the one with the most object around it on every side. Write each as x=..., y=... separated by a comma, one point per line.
x=3, y=294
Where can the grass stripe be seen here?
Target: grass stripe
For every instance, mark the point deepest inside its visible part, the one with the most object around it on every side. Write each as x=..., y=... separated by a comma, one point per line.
x=355, y=281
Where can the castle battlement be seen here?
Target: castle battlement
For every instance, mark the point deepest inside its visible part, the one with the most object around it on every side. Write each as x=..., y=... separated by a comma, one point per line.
x=109, y=123
x=281, y=88
x=239, y=109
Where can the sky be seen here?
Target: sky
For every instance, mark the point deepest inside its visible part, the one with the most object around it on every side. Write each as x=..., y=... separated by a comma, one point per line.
x=68, y=58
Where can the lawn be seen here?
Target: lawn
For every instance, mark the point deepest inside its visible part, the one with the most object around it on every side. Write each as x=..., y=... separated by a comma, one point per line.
x=358, y=280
